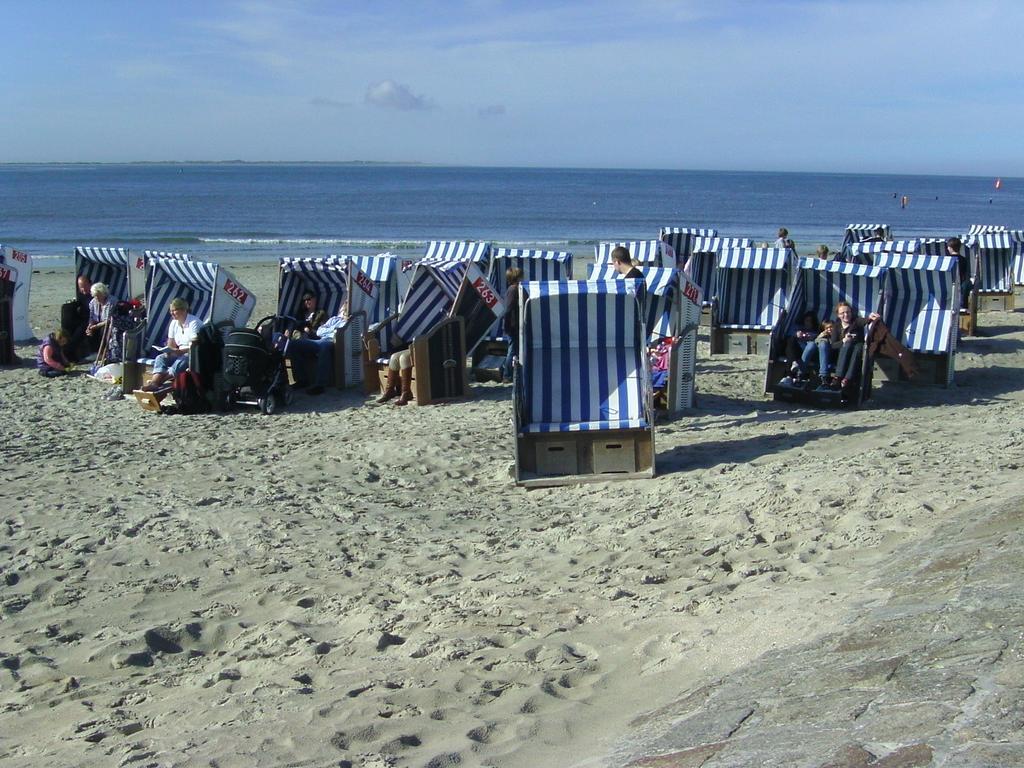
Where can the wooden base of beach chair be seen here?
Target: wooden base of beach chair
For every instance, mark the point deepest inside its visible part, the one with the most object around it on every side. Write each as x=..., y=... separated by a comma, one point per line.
x=7, y=356
x=488, y=358
x=705, y=317
x=995, y=302
x=726, y=342
x=932, y=370
x=150, y=401
x=567, y=458
x=439, y=363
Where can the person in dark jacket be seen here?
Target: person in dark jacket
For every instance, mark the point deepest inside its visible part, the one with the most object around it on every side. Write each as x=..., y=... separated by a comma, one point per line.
x=848, y=339
x=623, y=264
x=513, y=276
x=955, y=248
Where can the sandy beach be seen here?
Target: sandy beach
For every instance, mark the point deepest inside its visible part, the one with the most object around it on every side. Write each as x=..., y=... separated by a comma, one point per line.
x=350, y=585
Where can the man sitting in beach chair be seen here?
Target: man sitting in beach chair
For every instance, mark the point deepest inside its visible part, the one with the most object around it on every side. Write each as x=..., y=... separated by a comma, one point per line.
x=173, y=357
x=315, y=353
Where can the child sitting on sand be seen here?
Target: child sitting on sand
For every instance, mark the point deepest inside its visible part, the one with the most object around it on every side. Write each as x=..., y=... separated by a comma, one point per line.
x=50, y=359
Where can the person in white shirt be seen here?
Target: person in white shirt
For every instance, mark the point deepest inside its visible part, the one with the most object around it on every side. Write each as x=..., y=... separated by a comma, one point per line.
x=180, y=334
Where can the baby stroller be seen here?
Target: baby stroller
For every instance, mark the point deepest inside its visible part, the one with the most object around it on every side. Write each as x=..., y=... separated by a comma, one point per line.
x=254, y=366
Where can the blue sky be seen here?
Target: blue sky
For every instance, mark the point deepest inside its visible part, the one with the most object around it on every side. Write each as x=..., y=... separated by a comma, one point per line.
x=925, y=86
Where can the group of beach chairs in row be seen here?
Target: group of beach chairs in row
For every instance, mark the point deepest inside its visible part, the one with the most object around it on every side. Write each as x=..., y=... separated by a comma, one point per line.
x=583, y=397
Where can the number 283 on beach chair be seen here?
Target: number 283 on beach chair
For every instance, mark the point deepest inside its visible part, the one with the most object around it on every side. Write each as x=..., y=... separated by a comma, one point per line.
x=582, y=397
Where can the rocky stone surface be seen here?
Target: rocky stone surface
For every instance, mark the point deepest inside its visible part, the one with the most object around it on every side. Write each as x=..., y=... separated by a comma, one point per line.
x=930, y=675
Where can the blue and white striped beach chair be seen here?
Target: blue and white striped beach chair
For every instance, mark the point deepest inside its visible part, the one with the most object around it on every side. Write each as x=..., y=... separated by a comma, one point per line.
x=865, y=253
x=213, y=293
x=922, y=300
x=19, y=265
x=681, y=239
x=447, y=309
x=536, y=265
x=644, y=253
x=703, y=260
x=214, y=296
x=672, y=308
x=993, y=254
x=124, y=277
x=819, y=285
x=751, y=289
x=857, y=233
x=385, y=269
x=583, y=406
x=334, y=282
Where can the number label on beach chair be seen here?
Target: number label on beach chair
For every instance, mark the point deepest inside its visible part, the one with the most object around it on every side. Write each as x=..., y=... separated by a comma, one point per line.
x=6, y=273
x=364, y=282
x=483, y=289
x=19, y=256
x=140, y=263
x=691, y=291
x=235, y=291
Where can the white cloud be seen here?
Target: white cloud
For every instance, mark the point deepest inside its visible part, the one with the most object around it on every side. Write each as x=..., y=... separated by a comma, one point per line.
x=391, y=95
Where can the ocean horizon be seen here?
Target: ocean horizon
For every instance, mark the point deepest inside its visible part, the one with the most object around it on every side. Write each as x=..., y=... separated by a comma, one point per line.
x=238, y=210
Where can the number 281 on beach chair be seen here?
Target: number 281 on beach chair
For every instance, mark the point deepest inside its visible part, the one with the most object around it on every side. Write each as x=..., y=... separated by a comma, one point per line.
x=582, y=398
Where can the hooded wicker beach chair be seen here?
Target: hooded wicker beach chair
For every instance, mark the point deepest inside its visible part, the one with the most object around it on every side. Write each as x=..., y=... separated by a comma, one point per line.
x=751, y=289
x=702, y=262
x=124, y=276
x=858, y=233
x=819, y=285
x=672, y=308
x=920, y=308
x=19, y=264
x=536, y=265
x=993, y=254
x=336, y=283
x=582, y=397
x=214, y=296
x=447, y=310
x=8, y=286
x=387, y=274
x=682, y=239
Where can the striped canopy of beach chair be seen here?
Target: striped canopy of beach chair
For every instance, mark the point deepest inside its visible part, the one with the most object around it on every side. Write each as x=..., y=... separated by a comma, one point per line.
x=326, y=278
x=983, y=229
x=644, y=253
x=751, y=287
x=584, y=362
x=922, y=301
x=700, y=266
x=169, y=279
x=820, y=285
x=996, y=253
x=450, y=251
x=431, y=294
x=682, y=238
x=1018, y=259
x=537, y=265
x=385, y=270
x=865, y=253
x=106, y=265
x=660, y=298
x=855, y=233
x=166, y=255
x=931, y=246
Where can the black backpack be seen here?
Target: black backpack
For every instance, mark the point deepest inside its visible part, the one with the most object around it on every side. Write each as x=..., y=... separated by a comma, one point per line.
x=188, y=393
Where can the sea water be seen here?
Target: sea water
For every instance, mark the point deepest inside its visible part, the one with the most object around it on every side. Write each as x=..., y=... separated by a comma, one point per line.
x=244, y=211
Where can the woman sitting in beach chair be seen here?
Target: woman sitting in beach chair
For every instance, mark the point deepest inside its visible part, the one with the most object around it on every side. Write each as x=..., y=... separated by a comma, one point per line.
x=173, y=358
x=847, y=339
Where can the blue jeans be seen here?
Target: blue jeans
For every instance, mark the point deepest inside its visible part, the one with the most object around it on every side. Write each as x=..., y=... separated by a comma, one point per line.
x=823, y=349
x=506, y=366
x=318, y=351
x=164, y=364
